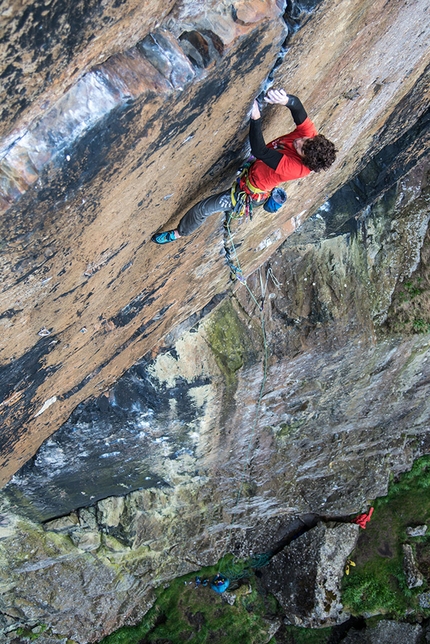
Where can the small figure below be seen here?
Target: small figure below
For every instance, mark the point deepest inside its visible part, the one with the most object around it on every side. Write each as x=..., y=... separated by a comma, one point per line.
x=363, y=519
x=291, y=156
x=220, y=583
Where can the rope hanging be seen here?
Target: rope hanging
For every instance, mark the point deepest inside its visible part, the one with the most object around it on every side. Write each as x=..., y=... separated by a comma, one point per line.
x=242, y=207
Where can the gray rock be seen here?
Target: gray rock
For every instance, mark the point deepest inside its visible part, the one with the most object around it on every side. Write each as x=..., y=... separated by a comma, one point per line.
x=229, y=598
x=385, y=632
x=46, y=638
x=63, y=524
x=419, y=531
x=110, y=510
x=87, y=518
x=388, y=632
x=86, y=540
x=424, y=600
x=414, y=578
x=305, y=577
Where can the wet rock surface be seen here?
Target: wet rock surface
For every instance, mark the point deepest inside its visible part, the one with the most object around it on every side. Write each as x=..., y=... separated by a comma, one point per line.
x=171, y=430
x=75, y=249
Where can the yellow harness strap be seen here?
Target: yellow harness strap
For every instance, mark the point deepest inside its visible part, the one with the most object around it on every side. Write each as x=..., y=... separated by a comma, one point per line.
x=252, y=189
x=233, y=194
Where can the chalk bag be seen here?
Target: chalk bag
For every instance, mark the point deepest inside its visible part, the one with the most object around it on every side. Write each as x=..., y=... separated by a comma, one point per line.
x=276, y=200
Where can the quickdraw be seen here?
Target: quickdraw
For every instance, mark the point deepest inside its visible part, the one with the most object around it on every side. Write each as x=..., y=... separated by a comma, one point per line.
x=242, y=202
x=230, y=252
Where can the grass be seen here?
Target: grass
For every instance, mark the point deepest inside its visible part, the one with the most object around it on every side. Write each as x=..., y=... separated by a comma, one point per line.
x=411, y=290
x=186, y=613
x=296, y=635
x=377, y=584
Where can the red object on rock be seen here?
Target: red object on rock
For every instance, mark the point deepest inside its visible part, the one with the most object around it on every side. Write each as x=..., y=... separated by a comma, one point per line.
x=362, y=519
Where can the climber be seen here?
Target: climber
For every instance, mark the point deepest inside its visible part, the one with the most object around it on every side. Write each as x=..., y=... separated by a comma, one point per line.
x=363, y=519
x=288, y=157
x=219, y=583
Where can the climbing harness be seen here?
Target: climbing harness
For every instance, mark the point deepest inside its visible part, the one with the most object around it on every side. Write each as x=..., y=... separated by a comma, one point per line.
x=244, y=184
x=242, y=202
x=244, y=195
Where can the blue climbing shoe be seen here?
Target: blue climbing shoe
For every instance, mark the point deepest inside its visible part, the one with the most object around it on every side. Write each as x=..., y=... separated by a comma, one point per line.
x=164, y=238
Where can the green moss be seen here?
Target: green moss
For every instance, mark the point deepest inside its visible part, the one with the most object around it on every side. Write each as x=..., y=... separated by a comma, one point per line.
x=377, y=583
x=230, y=342
x=31, y=634
x=184, y=612
x=410, y=306
x=411, y=289
x=421, y=326
x=287, y=429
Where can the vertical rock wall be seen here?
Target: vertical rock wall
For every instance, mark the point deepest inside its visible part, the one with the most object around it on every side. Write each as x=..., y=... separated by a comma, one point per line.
x=75, y=260
x=226, y=446
x=218, y=435
x=141, y=117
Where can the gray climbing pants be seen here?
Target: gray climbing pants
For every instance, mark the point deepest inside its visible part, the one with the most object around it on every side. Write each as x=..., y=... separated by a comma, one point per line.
x=198, y=214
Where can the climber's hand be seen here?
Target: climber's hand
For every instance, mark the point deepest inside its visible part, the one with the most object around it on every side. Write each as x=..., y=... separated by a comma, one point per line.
x=255, y=112
x=276, y=96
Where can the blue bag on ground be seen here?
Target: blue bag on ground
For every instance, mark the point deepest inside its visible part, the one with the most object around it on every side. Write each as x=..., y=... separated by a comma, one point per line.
x=220, y=583
x=276, y=200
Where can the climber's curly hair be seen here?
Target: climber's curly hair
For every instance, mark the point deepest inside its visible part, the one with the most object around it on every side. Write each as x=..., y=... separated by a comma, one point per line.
x=318, y=153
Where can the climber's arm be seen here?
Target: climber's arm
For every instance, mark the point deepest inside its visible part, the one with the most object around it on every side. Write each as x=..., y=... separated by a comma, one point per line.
x=258, y=145
x=294, y=104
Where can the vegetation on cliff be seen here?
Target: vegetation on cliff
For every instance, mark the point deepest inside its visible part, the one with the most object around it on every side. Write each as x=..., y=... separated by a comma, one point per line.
x=188, y=612
x=377, y=584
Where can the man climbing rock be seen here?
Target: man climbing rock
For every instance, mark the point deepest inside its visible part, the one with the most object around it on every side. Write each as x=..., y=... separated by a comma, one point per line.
x=288, y=157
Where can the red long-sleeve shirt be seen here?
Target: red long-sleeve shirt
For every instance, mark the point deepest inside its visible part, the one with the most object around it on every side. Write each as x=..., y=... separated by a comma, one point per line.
x=290, y=166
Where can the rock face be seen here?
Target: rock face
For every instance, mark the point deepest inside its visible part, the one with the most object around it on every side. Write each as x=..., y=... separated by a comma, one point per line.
x=305, y=579
x=69, y=222
x=80, y=210
x=341, y=409
x=414, y=578
x=178, y=418
x=386, y=632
